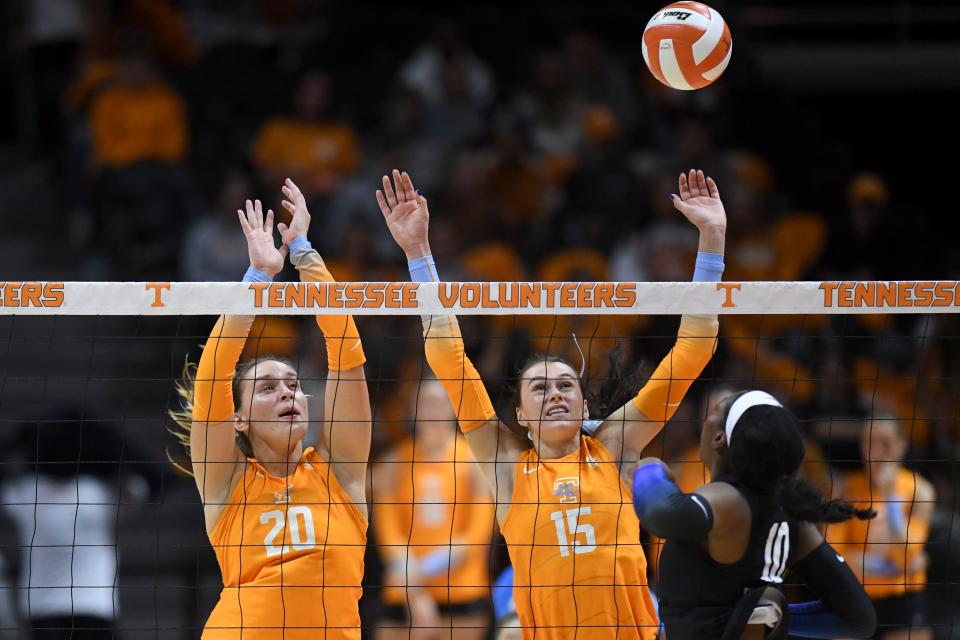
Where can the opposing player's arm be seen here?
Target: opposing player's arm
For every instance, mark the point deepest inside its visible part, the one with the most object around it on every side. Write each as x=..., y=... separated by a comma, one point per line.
x=631, y=428
x=715, y=511
x=407, y=216
x=844, y=610
x=347, y=421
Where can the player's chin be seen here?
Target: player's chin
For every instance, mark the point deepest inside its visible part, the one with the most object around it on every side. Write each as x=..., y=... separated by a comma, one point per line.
x=560, y=428
x=294, y=427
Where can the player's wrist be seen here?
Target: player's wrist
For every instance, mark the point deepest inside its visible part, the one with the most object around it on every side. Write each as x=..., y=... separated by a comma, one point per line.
x=712, y=238
x=259, y=274
x=416, y=251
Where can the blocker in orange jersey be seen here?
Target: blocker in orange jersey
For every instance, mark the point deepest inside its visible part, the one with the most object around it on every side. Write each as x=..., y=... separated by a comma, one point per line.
x=687, y=45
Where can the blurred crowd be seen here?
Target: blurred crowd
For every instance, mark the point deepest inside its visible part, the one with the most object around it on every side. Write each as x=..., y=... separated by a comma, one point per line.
x=549, y=162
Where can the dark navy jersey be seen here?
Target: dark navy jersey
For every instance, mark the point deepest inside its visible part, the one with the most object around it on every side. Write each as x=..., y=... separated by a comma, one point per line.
x=697, y=594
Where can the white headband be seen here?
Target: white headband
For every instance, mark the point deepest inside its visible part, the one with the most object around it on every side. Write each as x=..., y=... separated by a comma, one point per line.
x=744, y=402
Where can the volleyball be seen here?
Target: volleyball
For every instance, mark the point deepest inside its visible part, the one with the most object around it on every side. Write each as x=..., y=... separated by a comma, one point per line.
x=687, y=45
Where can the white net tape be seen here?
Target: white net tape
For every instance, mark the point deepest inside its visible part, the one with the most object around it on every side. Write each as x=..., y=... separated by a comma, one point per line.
x=478, y=298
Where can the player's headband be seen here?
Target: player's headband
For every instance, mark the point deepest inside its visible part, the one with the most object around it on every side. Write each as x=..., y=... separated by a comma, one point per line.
x=744, y=402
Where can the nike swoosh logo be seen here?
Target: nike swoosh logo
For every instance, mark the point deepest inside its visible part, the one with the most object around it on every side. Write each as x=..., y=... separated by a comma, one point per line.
x=528, y=471
x=356, y=345
x=840, y=558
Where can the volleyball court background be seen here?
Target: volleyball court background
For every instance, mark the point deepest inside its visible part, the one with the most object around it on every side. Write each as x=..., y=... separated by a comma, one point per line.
x=547, y=154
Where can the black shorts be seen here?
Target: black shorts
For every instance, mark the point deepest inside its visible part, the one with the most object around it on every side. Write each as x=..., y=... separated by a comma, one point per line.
x=75, y=628
x=400, y=614
x=901, y=612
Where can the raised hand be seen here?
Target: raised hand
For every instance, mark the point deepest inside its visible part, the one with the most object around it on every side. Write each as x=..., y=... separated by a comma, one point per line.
x=699, y=201
x=264, y=255
x=406, y=213
x=296, y=205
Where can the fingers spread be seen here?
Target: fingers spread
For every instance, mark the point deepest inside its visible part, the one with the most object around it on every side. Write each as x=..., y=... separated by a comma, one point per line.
x=243, y=221
x=702, y=183
x=409, y=191
x=694, y=187
x=712, y=187
x=258, y=210
x=295, y=193
x=684, y=187
x=397, y=182
x=388, y=192
x=382, y=201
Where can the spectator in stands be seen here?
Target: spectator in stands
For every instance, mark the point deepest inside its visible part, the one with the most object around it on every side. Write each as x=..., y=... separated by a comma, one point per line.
x=140, y=140
x=426, y=71
x=433, y=516
x=45, y=36
x=600, y=78
x=66, y=504
x=138, y=118
x=888, y=553
x=309, y=146
x=602, y=168
x=554, y=114
x=864, y=244
x=212, y=248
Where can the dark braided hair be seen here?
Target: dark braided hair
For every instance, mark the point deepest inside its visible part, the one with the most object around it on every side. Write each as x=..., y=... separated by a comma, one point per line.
x=766, y=452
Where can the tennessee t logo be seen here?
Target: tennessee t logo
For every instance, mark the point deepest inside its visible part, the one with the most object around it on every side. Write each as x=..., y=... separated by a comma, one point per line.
x=158, y=288
x=728, y=288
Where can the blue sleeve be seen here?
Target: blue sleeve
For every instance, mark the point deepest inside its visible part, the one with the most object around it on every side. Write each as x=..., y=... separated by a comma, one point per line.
x=664, y=510
x=708, y=267
x=502, y=595
x=843, y=610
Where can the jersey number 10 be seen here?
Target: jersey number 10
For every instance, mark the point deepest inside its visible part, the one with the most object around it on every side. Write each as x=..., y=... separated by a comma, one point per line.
x=776, y=552
x=568, y=527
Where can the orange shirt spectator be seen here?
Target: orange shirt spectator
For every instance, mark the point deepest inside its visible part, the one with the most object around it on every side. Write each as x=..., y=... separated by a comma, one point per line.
x=143, y=120
x=886, y=553
x=309, y=147
x=316, y=155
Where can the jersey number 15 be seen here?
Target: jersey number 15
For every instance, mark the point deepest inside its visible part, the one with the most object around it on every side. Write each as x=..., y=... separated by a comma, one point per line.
x=568, y=526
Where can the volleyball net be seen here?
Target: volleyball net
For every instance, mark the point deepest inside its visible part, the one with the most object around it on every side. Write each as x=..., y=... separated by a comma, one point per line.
x=97, y=517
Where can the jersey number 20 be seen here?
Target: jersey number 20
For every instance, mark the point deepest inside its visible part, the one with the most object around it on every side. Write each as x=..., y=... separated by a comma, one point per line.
x=304, y=538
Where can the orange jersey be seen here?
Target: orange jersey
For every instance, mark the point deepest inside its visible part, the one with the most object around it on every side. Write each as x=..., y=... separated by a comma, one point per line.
x=884, y=568
x=574, y=541
x=291, y=554
x=428, y=504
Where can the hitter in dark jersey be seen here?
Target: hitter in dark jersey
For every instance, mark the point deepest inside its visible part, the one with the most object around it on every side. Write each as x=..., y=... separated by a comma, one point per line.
x=730, y=543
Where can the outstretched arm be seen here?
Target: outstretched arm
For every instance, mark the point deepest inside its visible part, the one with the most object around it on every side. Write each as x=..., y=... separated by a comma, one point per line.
x=347, y=421
x=213, y=450
x=407, y=216
x=631, y=428
x=844, y=610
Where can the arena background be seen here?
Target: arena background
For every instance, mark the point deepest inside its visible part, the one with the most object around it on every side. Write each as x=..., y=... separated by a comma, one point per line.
x=544, y=133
